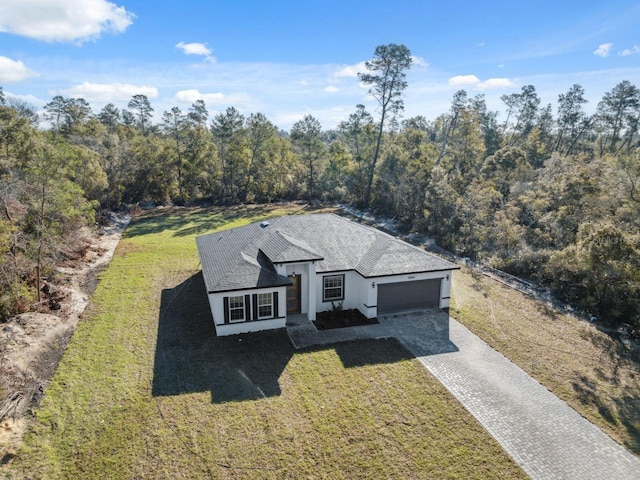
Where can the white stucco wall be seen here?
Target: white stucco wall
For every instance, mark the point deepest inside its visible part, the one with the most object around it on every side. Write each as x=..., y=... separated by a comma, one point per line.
x=354, y=291
x=445, y=289
x=216, y=303
x=247, y=327
x=362, y=293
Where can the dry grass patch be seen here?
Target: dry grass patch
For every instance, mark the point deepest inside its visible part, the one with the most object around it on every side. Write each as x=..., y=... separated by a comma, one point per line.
x=595, y=374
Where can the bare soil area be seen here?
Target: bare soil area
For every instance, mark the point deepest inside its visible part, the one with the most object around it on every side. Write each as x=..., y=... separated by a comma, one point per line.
x=31, y=344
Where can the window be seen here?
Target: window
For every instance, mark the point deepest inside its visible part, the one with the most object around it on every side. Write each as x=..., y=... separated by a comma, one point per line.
x=236, y=309
x=265, y=305
x=333, y=288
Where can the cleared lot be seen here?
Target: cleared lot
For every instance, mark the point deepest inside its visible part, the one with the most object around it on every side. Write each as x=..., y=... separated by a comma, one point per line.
x=146, y=391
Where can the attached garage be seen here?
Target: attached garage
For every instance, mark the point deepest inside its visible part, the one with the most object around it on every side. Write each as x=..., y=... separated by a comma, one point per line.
x=405, y=296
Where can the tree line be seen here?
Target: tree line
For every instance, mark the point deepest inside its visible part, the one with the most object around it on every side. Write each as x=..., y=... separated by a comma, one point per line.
x=546, y=192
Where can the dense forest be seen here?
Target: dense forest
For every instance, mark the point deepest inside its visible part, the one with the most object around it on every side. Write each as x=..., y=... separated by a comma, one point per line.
x=546, y=192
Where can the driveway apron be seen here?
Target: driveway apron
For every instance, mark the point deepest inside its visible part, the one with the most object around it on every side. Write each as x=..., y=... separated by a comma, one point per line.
x=547, y=438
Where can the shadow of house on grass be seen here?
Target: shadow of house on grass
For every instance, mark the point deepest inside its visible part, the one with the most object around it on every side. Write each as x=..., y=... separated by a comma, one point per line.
x=361, y=353
x=190, y=358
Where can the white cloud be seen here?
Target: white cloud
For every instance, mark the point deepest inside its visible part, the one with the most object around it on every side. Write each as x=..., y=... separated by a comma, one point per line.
x=109, y=92
x=461, y=80
x=419, y=61
x=63, y=20
x=196, y=49
x=191, y=95
x=630, y=51
x=603, y=50
x=351, y=71
x=472, y=80
x=331, y=89
x=218, y=98
x=496, y=83
x=13, y=70
x=30, y=99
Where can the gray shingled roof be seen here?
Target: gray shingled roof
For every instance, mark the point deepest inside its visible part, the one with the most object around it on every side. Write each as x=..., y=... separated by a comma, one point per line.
x=281, y=248
x=243, y=257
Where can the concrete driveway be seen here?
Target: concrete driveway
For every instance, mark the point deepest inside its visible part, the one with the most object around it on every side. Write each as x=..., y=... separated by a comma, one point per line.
x=547, y=438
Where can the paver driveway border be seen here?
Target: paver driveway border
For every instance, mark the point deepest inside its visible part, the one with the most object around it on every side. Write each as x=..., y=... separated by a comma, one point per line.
x=545, y=436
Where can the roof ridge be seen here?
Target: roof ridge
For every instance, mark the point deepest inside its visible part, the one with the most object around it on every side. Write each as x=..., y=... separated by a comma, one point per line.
x=280, y=246
x=373, y=254
x=298, y=243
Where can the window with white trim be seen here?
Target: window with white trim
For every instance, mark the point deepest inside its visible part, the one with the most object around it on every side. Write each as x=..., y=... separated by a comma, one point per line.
x=265, y=305
x=236, y=308
x=332, y=288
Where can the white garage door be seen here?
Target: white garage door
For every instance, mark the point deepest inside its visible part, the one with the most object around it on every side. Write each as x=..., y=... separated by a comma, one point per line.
x=405, y=296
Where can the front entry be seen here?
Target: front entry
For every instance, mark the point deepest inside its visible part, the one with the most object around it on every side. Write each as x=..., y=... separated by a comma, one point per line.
x=293, y=294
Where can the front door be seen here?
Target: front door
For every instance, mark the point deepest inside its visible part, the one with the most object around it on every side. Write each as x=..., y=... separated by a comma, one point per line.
x=293, y=294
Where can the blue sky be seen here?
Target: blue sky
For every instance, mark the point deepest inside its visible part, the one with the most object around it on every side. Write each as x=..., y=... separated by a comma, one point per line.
x=291, y=58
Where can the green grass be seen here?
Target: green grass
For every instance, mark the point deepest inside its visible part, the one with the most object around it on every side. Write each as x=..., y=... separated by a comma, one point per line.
x=145, y=389
x=595, y=374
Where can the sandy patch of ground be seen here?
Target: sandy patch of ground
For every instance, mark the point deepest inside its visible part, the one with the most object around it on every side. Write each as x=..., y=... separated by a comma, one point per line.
x=31, y=344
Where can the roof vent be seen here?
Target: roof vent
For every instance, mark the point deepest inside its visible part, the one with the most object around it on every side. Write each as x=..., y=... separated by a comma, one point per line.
x=264, y=224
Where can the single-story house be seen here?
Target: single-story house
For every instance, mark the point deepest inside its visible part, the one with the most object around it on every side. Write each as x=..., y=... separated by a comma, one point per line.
x=258, y=274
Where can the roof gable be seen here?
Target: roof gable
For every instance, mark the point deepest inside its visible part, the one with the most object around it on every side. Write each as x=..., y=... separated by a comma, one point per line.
x=231, y=261
x=282, y=248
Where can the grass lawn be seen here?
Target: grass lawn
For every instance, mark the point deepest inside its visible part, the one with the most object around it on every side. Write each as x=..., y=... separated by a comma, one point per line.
x=594, y=374
x=145, y=389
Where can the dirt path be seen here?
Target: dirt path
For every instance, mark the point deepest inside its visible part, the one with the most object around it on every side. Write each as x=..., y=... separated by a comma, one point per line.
x=31, y=344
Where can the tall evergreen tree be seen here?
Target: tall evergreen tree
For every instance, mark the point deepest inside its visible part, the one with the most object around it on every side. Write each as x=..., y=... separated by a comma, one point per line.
x=387, y=80
x=571, y=119
x=306, y=136
x=142, y=112
x=619, y=112
x=227, y=131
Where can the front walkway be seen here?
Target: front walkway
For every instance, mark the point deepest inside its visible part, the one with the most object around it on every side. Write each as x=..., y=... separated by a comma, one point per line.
x=547, y=438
